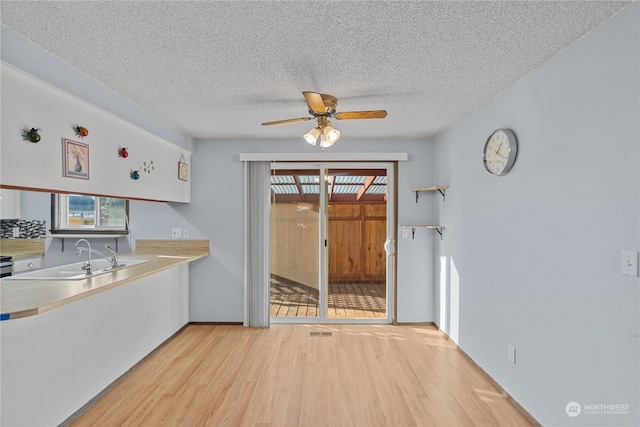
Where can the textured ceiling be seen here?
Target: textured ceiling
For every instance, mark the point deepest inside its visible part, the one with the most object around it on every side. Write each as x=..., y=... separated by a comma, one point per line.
x=218, y=69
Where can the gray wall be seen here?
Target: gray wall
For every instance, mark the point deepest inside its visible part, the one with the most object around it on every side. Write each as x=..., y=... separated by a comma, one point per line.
x=533, y=258
x=216, y=213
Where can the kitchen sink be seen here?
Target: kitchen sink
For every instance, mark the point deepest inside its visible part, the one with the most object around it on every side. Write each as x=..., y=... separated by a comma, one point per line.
x=74, y=271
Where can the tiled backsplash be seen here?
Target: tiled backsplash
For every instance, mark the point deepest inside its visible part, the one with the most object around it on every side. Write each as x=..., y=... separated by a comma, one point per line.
x=29, y=228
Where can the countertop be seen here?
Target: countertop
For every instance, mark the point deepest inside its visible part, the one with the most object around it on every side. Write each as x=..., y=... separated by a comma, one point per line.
x=18, y=254
x=20, y=298
x=21, y=248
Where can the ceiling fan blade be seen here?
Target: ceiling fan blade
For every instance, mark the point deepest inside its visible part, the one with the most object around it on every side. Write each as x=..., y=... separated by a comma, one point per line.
x=353, y=115
x=315, y=102
x=279, y=122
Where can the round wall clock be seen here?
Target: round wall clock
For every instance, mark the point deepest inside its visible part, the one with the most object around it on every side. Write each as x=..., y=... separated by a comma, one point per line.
x=500, y=152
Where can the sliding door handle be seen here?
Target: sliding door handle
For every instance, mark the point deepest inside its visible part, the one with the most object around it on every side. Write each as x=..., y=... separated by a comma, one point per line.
x=390, y=247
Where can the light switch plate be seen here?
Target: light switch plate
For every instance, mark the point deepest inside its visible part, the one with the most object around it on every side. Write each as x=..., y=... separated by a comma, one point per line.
x=630, y=263
x=405, y=233
x=176, y=233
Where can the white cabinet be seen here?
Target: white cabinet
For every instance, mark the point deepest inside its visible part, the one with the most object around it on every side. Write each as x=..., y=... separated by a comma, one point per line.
x=9, y=204
x=26, y=264
x=39, y=352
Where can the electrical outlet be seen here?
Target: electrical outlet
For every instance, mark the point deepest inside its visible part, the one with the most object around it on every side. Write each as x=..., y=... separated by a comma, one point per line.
x=185, y=233
x=176, y=233
x=512, y=354
x=630, y=263
x=16, y=232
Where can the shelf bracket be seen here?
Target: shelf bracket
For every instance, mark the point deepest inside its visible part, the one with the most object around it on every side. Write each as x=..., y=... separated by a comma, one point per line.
x=439, y=232
x=63, y=238
x=413, y=230
x=440, y=190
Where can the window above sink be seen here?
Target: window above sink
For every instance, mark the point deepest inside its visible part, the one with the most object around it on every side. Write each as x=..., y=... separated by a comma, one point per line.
x=88, y=215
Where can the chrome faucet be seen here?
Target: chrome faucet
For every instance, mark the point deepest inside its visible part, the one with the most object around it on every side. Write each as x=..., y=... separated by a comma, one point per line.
x=87, y=265
x=113, y=258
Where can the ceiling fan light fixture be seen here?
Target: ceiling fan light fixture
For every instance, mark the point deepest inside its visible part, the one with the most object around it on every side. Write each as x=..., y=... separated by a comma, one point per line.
x=322, y=107
x=312, y=136
x=326, y=141
x=332, y=134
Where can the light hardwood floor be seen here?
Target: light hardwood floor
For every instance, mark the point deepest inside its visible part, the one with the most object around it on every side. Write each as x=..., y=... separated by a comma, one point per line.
x=363, y=375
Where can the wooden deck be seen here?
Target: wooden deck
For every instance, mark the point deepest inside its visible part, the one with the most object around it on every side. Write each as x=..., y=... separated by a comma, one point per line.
x=344, y=300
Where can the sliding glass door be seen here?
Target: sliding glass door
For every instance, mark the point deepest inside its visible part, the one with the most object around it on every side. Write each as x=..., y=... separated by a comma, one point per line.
x=332, y=233
x=356, y=235
x=296, y=229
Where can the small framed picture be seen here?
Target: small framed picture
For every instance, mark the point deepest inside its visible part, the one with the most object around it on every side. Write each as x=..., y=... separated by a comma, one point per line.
x=183, y=169
x=75, y=157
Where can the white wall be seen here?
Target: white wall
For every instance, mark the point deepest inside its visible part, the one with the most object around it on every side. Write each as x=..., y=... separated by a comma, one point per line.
x=533, y=258
x=30, y=103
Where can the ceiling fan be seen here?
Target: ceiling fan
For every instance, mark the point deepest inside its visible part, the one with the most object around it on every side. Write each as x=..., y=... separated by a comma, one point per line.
x=322, y=107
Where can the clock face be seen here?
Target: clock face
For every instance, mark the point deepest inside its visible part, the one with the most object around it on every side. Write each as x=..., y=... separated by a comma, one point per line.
x=500, y=152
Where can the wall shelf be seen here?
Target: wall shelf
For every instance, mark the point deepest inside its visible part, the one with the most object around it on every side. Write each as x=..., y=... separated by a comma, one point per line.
x=62, y=237
x=439, y=188
x=438, y=229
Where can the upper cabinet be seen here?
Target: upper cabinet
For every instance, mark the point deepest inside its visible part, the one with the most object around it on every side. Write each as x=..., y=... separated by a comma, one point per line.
x=69, y=159
x=9, y=204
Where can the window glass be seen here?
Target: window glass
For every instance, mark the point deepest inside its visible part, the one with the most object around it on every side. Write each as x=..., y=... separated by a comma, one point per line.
x=86, y=214
x=80, y=211
x=112, y=212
